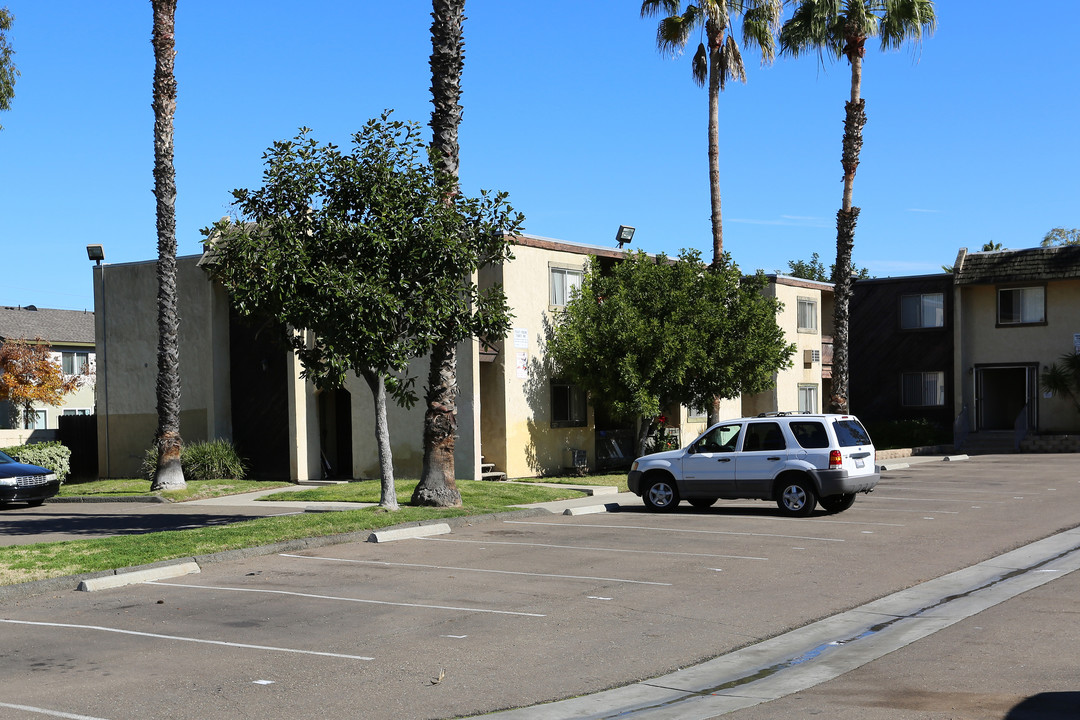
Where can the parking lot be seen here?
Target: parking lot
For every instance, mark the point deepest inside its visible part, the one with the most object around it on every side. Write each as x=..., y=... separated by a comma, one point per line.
x=509, y=612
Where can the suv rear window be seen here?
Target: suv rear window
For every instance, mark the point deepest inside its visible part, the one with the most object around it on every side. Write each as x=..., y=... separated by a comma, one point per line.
x=850, y=433
x=810, y=434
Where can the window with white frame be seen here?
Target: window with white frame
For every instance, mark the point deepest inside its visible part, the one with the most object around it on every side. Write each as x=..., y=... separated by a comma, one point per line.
x=926, y=310
x=922, y=389
x=1021, y=306
x=77, y=411
x=807, y=309
x=37, y=420
x=569, y=406
x=563, y=283
x=808, y=398
x=75, y=363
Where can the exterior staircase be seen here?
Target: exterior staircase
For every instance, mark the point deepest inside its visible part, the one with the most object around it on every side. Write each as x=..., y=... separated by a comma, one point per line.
x=488, y=471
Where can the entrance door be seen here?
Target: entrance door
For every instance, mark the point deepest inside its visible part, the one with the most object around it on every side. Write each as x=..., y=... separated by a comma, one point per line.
x=335, y=432
x=1001, y=394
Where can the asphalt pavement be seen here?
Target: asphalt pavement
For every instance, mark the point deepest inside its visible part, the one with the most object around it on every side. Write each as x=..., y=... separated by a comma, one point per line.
x=999, y=638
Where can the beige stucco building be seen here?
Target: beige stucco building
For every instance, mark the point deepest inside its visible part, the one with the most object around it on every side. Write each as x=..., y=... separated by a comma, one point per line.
x=70, y=336
x=240, y=382
x=1016, y=313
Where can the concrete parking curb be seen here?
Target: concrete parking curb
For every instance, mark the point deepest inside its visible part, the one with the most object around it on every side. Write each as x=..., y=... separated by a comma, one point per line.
x=138, y=576
x=381, y=536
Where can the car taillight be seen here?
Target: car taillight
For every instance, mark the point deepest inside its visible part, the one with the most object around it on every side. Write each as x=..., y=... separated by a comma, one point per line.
x=835, y=461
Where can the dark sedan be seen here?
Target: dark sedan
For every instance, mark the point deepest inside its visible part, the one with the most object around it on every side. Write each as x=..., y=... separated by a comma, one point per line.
x=25, y=483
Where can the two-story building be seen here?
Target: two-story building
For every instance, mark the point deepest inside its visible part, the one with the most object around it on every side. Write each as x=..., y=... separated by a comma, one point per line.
x=70, y=336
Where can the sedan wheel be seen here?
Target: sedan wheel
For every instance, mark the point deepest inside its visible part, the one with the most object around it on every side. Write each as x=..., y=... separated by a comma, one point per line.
x=661, y=494
x=796, y=498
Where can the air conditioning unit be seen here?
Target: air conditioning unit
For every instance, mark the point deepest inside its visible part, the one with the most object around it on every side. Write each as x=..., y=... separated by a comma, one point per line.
x=811, y=356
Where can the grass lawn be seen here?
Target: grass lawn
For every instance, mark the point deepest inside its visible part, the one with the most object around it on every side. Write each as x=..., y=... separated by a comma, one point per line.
x=196, y=489
x=23, y=563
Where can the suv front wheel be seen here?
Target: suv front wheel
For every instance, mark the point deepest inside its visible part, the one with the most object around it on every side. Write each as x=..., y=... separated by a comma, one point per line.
x=661, y=493
x=796, y=496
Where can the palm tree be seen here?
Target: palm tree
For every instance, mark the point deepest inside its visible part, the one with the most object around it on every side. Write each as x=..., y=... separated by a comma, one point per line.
x=169, y=475
x=8, y=71
x=717, y=60
x=840, y=28
x=437, y=486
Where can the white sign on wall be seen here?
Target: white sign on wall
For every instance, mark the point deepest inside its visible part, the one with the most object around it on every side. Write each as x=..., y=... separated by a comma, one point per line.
x=521, y=338
x=521, y=362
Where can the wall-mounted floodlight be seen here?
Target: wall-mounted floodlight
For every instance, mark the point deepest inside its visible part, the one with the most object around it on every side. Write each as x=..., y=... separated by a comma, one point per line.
x=95, y=253
x=625, y=235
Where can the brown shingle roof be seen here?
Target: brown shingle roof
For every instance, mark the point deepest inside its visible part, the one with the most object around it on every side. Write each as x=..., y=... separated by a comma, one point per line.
x=55, y=326
x=1049, y=263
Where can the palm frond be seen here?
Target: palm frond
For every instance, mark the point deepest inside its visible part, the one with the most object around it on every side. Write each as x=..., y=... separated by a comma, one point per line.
x=760, y=22
x=700, y=65
x=672, y=34
x=656, y=8
x=730, y=63
x=904, y=20
x=816, y=25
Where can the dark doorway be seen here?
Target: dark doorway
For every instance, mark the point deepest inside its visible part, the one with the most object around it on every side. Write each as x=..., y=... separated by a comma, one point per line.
x=258, y=367
x=335, y=433
x=1002, y=393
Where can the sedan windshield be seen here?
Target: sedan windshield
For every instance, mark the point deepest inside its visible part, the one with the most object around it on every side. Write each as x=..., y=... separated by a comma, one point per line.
x=5, y=459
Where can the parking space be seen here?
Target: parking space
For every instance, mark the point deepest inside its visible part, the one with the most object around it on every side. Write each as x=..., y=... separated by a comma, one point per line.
x=507, y=612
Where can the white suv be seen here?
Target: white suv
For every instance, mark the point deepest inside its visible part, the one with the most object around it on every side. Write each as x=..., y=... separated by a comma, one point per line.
x=798, y=460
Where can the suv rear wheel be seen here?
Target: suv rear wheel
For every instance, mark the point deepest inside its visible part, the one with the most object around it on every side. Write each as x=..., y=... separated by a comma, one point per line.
x=796, y=496
x=661, y=493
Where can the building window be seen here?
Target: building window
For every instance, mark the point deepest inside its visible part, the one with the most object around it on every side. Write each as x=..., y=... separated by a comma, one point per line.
x=563, y=283
x=75, y=363
x=568, y=405
x=1022, y=306
x=37, y=420
x=921, y=389
x=77, y=411
x=922, y=311
x=807, y=315
x=808, y=398
x=696, y=414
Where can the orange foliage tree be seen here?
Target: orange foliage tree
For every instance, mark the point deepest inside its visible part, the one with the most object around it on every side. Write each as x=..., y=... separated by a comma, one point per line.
x=29, y=375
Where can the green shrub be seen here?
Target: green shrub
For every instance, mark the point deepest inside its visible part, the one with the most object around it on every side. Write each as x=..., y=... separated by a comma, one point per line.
x=50, y=455
x=210, y=460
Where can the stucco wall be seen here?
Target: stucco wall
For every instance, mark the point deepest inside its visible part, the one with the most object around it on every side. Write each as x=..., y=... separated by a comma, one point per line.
x=126, y=330
x=980, y=342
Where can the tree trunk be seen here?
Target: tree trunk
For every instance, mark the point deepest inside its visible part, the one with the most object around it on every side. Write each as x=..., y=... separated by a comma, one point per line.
x=169, y=475
x=437, y=486
x=388, y=494
x=846, y=218
x=645, y=430
x=714, y=151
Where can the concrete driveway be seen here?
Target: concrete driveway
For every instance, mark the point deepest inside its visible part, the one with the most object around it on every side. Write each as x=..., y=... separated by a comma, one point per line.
x=513, y=612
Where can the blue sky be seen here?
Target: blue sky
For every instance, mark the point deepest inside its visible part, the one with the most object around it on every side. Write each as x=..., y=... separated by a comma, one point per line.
x=568, y=107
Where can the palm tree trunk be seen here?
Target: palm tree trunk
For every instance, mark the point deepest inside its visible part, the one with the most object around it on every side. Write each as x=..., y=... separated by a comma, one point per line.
x=169, y=474
x=388, y=493
x=713, y=410
x=846, y=218
x=437, y=486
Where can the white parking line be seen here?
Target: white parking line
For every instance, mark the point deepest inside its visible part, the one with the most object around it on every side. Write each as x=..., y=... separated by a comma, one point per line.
x=675, y=530
x=479, y=570
x=245, y=646
x=947, y=500
x=346, y=599
x=915, y=510
x=51, y=713
x=592, y=549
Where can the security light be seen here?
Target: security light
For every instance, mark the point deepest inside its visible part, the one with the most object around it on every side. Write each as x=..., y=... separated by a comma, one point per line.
x=625, y=235
x=96, y=253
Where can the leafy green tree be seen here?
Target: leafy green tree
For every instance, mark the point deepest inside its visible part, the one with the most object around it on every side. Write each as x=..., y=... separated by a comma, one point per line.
x=840, y=28
x=717, y=60
x=815, y=270
x=1064, y=379
x=8, y=71
x=652, y=332
x=362, y=255
x=991, y=246
x=437, y=486
x=170, y=474
x=1061, y=236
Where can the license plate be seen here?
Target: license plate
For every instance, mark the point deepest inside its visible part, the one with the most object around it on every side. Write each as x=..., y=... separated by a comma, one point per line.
x=860, y=463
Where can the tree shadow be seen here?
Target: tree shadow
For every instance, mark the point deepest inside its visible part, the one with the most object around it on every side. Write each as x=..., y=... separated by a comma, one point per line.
x=1047, y=706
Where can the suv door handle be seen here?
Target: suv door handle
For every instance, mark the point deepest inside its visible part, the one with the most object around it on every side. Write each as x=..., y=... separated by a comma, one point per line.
x=723, y=459
x=772, y=458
